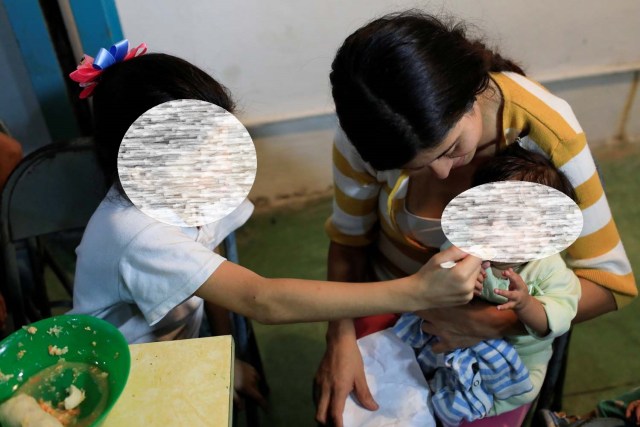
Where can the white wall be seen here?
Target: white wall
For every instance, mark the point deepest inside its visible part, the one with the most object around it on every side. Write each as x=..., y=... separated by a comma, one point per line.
x=275, y=56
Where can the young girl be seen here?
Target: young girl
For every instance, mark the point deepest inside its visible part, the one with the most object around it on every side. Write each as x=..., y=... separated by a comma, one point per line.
x=150, y=279
x=420, y=106
x=544, y=295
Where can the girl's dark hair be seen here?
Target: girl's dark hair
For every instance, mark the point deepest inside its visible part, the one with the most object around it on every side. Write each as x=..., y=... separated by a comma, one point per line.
x=401, y=82
x=128, y=89
x=515, y=163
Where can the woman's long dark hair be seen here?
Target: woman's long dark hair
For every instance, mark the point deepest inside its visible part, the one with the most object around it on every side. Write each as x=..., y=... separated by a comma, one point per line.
x=401, y=82
x=128, y=89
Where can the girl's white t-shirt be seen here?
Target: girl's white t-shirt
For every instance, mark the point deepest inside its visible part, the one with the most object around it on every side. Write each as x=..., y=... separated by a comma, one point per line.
x=140, y=274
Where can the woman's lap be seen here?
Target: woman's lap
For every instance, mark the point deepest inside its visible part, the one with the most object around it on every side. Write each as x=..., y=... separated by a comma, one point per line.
x=367, y=325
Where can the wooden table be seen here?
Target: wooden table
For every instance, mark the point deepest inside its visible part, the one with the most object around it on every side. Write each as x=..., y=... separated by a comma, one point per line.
x=177, y=383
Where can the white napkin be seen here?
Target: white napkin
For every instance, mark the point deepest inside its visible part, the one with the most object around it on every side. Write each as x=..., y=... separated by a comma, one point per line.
x=396, y=382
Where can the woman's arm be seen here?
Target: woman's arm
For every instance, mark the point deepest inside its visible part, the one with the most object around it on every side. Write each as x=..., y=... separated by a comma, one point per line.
x=341, y=370
x=466, y=325
x=293, y=300
x=595, y=301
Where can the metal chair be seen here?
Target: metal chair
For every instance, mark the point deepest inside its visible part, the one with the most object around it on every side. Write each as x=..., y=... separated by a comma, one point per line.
x=54, y=189
x=550, y=396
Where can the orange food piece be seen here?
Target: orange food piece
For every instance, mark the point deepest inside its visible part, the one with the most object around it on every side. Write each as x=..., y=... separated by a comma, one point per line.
x=65, y=416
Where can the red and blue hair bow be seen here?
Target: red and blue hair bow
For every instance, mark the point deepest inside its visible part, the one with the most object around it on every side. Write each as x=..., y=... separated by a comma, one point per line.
x=89, y=70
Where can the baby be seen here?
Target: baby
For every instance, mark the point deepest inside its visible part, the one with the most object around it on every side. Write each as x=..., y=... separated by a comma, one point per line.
x=497, y=376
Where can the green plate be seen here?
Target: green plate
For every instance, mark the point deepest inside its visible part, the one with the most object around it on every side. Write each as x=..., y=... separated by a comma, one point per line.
x=89, y=340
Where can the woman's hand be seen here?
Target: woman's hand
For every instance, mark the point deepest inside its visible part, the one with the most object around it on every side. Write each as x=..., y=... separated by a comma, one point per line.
x=466, y=325
x=341, y=372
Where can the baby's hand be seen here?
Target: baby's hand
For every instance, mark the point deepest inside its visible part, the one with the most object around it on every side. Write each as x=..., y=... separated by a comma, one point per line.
x=518, y=293
x=480, y=280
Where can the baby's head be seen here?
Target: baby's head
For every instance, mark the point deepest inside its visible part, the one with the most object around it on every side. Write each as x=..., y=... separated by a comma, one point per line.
x=515, y=163
x=128, y=89
x=518, y=164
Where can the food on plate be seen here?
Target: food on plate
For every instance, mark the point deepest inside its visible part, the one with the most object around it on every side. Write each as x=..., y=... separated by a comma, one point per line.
x=54, y=350
x=5, y=377
x=22, y=410
x=54, y=330
x=66, y=403
x=75, y=397
x=66, y=417
x=30, y=329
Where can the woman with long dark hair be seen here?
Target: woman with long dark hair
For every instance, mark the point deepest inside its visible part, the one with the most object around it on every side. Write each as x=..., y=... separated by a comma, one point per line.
x=420, y=107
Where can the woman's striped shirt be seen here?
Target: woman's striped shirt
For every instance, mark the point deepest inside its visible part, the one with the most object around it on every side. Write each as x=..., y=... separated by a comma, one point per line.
x=366, y=201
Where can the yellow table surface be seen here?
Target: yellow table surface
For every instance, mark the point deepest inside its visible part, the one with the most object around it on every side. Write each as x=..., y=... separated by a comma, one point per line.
x=176, y=383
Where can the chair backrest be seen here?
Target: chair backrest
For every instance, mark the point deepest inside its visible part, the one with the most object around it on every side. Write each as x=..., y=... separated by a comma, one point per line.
x=55, y=188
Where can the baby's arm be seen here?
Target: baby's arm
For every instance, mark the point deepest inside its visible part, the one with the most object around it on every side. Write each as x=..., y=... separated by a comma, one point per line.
x=530, y=311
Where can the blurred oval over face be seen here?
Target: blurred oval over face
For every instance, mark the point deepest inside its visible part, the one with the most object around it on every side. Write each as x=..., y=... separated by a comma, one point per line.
x=512, y=221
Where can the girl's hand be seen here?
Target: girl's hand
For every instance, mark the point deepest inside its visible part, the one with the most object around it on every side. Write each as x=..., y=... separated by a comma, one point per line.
x=245, y=384
x=518, y=293
x=443, y=287
x=341, y=372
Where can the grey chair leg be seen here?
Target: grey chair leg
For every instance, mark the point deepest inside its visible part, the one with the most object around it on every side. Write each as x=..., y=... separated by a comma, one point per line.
x=550, y=396
x=247, y=350
x=13, y=291
x=39, y=291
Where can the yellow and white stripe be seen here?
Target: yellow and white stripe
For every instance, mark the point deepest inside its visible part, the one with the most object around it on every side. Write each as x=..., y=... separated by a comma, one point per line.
x=552, y=129
x=366, y=200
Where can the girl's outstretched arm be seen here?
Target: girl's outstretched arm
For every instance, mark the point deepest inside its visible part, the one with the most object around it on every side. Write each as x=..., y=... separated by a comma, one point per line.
x=274, y=301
